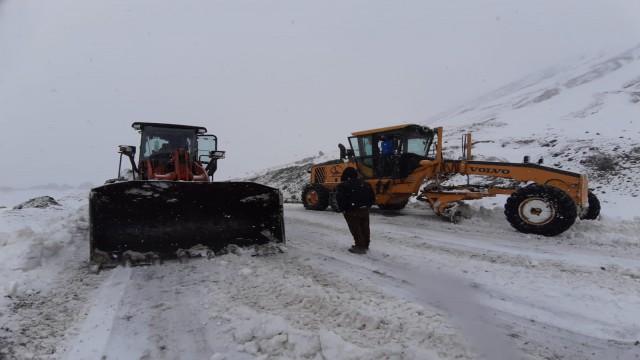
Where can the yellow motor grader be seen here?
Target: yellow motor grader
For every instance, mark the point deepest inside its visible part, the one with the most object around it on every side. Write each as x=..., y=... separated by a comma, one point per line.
x=406, y=160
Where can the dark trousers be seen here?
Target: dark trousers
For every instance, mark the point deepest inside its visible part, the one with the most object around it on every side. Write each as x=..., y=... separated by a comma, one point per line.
x=358, y=222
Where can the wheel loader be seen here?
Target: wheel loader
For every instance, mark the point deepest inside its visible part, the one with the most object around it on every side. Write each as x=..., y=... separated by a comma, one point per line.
x=170, y=206
x=407, y=160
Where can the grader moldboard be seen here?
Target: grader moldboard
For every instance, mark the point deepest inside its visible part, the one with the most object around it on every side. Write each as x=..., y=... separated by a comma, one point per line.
x=398, y=160
x=172, y=208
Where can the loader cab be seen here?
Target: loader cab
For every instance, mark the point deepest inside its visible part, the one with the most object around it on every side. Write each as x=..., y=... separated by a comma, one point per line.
x=159, y=141
x=392, y=152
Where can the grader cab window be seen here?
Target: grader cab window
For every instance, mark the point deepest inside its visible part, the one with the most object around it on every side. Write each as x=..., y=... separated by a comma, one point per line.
x=419, y=142
x=419, y=146
x=362, y=146
x=363, y=151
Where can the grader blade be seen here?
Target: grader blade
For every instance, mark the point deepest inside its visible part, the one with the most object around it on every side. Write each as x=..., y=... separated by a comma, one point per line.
x=162, y=217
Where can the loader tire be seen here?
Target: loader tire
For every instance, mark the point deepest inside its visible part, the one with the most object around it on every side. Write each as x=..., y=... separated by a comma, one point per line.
x=594, y=208
x=540, y=209
x=315, y=197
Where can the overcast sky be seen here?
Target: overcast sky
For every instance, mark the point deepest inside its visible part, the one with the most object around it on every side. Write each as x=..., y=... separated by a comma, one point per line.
x=274, y=80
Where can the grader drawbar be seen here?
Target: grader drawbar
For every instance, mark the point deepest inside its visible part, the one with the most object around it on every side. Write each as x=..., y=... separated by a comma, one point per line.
x=172, y=206
x=407, y=160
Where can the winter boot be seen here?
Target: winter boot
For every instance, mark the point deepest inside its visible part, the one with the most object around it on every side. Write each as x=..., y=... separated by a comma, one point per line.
x=357, y=250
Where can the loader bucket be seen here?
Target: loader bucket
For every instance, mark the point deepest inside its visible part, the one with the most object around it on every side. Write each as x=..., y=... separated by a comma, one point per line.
x=162, y=217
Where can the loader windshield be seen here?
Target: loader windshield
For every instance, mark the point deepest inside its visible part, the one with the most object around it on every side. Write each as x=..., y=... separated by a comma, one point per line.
x=157, y=140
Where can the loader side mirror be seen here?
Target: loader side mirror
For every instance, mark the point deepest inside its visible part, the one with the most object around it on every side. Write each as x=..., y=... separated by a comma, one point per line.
x=216, y=154
x=126, y=150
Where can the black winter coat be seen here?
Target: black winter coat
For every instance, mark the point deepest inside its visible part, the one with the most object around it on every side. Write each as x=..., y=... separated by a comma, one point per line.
x=354, y=194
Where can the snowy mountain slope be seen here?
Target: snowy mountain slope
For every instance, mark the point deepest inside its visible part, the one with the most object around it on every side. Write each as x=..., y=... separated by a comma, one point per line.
x=291, y=178
x=582, y=117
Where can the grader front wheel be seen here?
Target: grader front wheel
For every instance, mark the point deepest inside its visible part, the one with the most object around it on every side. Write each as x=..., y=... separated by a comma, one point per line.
x=540, y=209
x=594, y=208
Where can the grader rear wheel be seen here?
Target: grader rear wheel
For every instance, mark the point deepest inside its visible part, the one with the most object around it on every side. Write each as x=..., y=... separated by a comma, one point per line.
x=540, y=209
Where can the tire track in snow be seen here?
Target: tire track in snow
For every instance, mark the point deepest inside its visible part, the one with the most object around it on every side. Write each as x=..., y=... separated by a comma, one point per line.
x=521, y=262
x=92, y=337
x=425, y=286
x=42, y=318
x=311, y=299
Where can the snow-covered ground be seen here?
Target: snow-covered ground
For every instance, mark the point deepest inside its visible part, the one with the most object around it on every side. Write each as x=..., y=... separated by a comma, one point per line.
x=427, y=290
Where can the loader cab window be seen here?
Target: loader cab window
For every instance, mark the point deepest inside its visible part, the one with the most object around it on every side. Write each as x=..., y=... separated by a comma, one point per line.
x=206, y=144
x=157, y=140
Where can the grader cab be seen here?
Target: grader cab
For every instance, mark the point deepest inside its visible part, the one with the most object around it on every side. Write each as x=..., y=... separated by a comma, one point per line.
x=407, y=160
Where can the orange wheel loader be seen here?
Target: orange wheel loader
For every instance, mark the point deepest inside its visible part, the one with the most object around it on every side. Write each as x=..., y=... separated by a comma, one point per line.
x=171, y=204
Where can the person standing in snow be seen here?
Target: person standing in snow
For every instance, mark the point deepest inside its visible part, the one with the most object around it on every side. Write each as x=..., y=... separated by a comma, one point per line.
x=354, y=197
